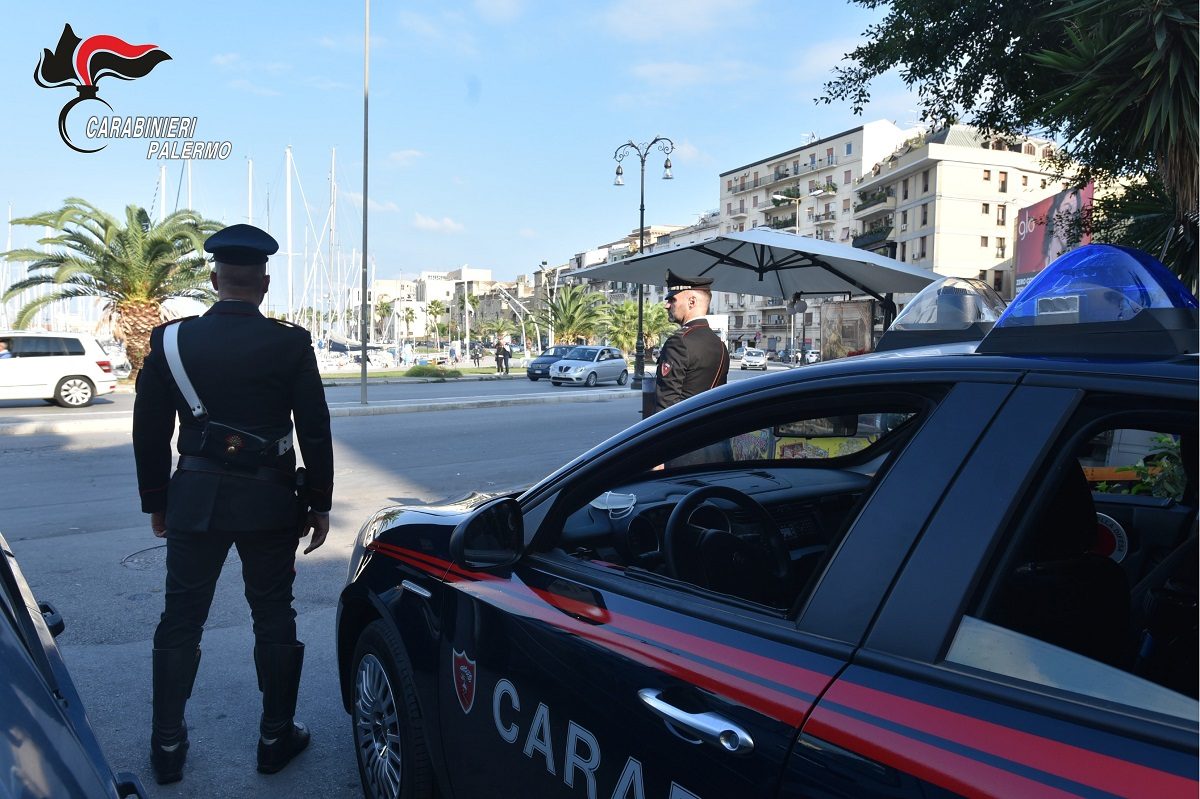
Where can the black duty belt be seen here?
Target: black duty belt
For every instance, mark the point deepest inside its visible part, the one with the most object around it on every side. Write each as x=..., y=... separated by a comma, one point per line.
x=195, y=463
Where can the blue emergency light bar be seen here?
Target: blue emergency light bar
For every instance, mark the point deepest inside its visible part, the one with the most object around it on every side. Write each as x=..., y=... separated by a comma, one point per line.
x=1099, y=299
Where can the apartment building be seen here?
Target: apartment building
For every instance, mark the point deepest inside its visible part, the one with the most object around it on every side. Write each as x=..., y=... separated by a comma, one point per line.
x=808, y=190
x=948, y=201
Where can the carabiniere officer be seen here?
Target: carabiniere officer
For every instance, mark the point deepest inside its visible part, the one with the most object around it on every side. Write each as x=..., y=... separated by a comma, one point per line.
x=694, y=358
x=254, y=375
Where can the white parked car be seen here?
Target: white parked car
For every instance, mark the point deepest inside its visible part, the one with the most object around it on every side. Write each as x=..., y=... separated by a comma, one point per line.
x=71, y=369
x=755, y=359
x=589, y=366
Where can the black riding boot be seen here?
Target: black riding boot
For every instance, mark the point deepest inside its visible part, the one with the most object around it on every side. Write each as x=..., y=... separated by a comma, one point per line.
x=174, y=673
x=281, y=737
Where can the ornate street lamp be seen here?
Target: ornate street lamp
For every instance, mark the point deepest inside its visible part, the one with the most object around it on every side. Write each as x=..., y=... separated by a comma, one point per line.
x=642, y=150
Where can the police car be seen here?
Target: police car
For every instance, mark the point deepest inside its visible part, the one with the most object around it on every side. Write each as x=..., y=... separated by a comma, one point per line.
x=901, y=575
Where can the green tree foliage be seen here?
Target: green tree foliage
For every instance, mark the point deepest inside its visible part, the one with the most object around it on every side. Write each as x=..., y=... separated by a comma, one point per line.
x=132, y=265
x=1115, y=80
x=574, y=313
x=435, y=311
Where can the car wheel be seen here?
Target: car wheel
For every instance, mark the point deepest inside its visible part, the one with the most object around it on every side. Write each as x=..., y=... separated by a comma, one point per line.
x=74, y=392
x=591, y=380
x=743, y=367
x=389, y=744
x=531, y=377
x=623, y=379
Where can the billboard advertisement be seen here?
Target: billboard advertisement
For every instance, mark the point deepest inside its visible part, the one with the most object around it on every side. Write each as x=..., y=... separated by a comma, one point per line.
x=846, y=328
x=1039, y=239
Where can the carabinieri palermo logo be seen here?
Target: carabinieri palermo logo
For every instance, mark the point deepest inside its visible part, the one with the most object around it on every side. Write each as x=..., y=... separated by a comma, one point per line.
x=83, y=62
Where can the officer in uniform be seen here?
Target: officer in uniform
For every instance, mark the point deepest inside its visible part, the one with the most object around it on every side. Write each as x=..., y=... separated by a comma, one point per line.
x=694, y=359
x=253, y=375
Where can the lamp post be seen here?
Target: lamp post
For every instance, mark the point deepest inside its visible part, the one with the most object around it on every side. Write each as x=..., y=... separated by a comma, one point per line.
x=642, y=150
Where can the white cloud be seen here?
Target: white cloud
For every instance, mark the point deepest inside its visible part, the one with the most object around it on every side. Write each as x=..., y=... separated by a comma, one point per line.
x=443, y=225
x=499, y=10
x=637, y=19
x=404, y=157
x=324, y=84
x=243, y=85
x=355, y=198
x=225, y=59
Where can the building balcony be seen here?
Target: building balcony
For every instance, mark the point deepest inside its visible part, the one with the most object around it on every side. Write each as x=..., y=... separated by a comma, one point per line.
x=864, y=241
x=751, y=184
x=882, y=200
x=825, y=190
x=827, y=218
x=738, y=213
x=783, y=222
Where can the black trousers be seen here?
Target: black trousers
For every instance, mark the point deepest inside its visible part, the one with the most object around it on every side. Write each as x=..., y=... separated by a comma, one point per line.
x=194, y=562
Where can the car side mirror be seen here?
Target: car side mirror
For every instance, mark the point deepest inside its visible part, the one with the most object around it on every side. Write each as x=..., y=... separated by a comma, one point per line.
x=492, y=537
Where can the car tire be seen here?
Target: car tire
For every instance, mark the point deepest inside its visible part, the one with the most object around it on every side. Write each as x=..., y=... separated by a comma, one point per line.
x=743, y=367
x=75, y=391
x=531, y=377
x=385, y=720
x=591, y=380
x=623, y=379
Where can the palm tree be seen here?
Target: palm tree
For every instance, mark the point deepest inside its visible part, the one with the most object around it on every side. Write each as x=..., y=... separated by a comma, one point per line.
x=574, y=313
x=498, y=327
x=436, y=309
x=383, y=312
x=410, y=316
x=133, y=267
x=621, y=325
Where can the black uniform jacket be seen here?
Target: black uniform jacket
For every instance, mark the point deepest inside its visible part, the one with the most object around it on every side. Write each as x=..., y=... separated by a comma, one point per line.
x=252, y=373
x=693, y=360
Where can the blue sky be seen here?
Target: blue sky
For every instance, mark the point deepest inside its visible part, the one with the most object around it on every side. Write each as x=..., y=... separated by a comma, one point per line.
x=492, y=122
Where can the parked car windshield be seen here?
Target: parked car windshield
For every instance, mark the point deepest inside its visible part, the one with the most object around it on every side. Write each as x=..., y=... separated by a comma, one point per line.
x=754, y=352
x=582, y=354
x=554, y=352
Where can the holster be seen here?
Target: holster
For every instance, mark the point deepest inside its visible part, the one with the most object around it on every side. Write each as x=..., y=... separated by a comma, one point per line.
x=302, y=500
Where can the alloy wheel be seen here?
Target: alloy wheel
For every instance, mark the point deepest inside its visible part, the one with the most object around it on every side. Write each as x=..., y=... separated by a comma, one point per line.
x=377, y=728
x=75, y=392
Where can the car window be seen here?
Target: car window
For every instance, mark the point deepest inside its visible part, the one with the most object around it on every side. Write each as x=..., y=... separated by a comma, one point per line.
x=1094, y=588
x=766, y=515
x=581, y=354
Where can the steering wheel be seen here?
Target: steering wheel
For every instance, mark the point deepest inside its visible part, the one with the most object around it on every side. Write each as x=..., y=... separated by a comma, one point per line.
x=720, y=560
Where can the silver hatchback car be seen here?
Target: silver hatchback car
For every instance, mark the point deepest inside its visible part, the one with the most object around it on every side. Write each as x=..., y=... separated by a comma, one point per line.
x=589, y=366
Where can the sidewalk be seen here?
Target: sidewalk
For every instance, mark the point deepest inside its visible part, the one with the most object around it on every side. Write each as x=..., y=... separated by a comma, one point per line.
x=123, y=422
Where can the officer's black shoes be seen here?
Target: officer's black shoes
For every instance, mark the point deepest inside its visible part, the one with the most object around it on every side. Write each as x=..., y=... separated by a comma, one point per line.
x=167, y=756
x=279, y=667
x=276, y=751
x=174, y=672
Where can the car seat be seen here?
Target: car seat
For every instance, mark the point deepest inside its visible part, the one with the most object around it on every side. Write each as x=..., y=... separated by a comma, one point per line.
x=1062, y=593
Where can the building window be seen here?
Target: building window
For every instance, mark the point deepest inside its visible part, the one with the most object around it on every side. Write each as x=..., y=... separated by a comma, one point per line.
x=903, y=250
x=1001, y=215
x=925, y=180
x=849, y=148
x=983, y=241
x=904, y=189
x=924, y=214
x=1003, y=181
x=846, y=178
x=845, y=206
x=728, y=209
x=729, y=186
x=1024, y=181
x=812, y=185
x=754, y=201
x=987, y=174
x=1000, y=247
x=812, y=159
x=1028, y=149
x=796, y=167
x=987, y=208
x=921, y=254
x=829, y=155
x=845, y=233
x=742, y=206
x=904, y=220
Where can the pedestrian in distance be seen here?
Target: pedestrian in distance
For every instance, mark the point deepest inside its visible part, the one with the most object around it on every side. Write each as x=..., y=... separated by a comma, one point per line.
x=235, y=379
x=693, y=359
x=507, y=355
x=499, y=357
x=476, y=354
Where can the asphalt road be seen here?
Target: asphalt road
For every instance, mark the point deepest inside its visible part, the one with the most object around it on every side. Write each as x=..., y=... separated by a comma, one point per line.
x=72, y=518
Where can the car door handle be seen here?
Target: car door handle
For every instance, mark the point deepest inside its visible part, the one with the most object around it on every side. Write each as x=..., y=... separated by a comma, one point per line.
x=708, y=727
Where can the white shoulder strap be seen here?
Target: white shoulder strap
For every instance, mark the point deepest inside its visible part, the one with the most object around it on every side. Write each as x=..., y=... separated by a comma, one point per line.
x=171, y=348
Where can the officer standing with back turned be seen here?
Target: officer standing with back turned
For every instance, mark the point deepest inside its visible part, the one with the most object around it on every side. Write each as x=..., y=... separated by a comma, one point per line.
x=235, y=379
x=694, y=359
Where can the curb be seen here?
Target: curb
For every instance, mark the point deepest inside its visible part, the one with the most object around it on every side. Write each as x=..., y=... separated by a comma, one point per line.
x=124, y=423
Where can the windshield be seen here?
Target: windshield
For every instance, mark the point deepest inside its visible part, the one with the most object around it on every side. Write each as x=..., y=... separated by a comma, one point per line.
x=582, y=354
x=754, y=352
x=554, y=352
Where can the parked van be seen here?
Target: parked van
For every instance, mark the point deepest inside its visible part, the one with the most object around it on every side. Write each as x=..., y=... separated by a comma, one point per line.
x=71, y=369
